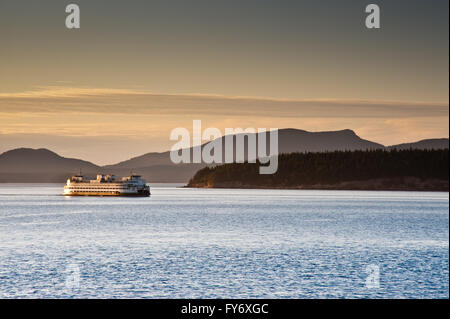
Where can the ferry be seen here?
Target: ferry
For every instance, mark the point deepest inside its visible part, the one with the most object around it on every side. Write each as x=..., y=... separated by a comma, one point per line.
x=106, y=185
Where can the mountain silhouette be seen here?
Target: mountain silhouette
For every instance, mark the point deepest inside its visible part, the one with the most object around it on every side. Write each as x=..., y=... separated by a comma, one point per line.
x=429, y=144
x=42, y=165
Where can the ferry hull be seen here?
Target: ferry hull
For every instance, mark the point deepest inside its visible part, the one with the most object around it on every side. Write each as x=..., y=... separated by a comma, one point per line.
x=109, y=194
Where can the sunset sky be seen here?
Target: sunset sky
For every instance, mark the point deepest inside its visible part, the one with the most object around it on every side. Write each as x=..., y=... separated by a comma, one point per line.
x=135, y=70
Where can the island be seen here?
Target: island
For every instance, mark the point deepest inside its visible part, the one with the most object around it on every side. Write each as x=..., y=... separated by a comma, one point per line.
x=406, y=170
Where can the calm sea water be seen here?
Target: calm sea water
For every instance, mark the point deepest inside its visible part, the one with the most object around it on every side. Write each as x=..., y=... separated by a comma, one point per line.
x=219, y=243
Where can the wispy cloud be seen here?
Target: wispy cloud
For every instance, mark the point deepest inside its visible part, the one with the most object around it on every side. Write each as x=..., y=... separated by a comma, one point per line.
x=43, y=92
x=124, y=101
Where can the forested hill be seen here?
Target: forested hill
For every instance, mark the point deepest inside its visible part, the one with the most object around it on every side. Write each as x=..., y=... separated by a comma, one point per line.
x=425, y=170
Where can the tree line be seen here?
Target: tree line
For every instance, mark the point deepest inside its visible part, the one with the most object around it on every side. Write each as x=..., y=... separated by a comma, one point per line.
x=303, y=169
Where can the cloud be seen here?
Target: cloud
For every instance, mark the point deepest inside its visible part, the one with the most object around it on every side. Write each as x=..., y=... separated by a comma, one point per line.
x=43, y=92
x=55, y=99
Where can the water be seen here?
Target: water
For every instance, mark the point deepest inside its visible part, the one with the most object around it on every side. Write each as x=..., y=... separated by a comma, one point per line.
x=220, y=243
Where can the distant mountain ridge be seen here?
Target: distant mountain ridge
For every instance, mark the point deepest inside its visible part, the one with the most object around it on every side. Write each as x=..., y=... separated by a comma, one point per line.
x=289, y=140
x=428, y=144
x=19, y=159
x=42, y=165
x=293, y=140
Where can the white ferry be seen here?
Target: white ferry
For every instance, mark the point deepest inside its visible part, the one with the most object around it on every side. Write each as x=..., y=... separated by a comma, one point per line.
x=106, y=185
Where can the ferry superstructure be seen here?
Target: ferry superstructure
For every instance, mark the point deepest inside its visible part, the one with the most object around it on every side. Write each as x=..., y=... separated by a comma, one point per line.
x=106, y=185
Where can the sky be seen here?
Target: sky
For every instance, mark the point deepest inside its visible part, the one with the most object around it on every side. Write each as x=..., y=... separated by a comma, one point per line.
x=135, y=70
